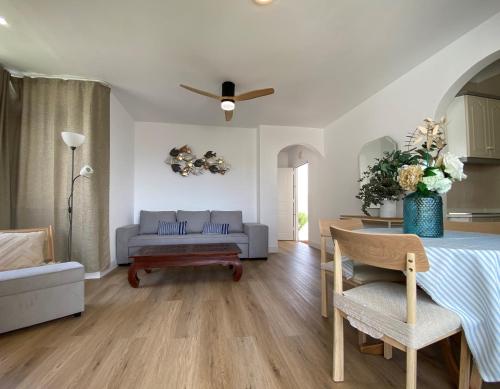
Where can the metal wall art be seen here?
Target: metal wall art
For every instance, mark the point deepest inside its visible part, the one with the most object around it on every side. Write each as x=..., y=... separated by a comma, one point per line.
x=184, y=162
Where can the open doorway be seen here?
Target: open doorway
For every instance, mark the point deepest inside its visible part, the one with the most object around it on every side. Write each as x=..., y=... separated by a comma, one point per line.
x=295, y=176
x=302, y=202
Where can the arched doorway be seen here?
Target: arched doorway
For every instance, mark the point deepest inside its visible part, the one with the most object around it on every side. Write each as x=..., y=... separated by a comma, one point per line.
x=468, y=75
x=473, y=134
x=296, y=201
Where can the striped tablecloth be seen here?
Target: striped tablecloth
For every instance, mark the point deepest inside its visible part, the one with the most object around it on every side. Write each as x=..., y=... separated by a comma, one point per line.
x=464, y=276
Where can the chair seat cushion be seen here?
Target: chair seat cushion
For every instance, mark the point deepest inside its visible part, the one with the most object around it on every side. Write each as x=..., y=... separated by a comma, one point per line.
x=40, y=277
x=153, y=240
x=364, y=274
x=379, y=308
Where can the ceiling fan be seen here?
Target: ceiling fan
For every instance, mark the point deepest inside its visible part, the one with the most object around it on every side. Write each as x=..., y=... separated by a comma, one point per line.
x=228, y=99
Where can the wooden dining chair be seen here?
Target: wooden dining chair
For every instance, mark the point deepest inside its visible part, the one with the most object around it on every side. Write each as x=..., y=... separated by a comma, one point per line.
x=362, y=274
x=397, y=314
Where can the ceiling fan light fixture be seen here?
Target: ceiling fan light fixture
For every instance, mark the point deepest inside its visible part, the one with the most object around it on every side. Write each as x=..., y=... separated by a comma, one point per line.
x=227, y=105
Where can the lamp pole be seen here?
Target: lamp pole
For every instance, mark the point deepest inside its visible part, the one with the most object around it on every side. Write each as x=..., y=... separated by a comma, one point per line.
x=74, y=140
x=70, y=202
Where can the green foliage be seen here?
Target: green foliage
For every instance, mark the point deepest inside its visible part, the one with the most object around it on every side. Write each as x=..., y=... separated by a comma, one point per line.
x=381, y=178
x=302, y=219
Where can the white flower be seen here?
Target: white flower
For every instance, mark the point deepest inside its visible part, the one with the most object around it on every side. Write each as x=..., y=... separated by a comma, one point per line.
x=454, y=167
x=444, y=186
x=438, y=182
x=86, y=171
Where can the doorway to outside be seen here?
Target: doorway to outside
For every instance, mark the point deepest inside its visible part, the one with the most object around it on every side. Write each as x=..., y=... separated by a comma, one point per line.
x=302, y=202
x=293, y=203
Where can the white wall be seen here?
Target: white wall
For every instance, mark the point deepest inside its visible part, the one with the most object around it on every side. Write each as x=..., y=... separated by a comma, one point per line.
x=121, y=180
x=424, y=91
x=158, y=188
x=272, y=139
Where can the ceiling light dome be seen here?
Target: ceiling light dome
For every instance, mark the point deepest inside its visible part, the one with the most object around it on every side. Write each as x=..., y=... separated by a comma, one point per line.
x=262, y=2
x=227, y=105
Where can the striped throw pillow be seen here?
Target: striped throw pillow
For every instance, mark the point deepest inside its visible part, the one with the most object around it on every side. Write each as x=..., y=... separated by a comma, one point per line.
x=172, y=228
x=216, y=228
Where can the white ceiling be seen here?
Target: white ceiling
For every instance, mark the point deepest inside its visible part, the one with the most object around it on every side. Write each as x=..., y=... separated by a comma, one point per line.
x=323, y=57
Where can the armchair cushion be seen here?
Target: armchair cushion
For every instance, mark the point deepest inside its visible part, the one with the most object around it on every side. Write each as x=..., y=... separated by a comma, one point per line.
x=41, y=277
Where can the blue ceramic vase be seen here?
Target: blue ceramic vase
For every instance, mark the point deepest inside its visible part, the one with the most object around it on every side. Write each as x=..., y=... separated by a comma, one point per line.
x=423, y=215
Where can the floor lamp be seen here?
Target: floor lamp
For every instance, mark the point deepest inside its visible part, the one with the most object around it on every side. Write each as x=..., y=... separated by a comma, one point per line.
x=74, y=140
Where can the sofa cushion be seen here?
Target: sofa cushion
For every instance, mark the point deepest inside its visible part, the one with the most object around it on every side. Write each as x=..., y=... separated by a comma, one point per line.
x=149, y=220
x=195, y=220
x=167, y=228
x=215, y=228
x=233, y=218
x=156, y=240
x=41, y=277
x=21, y=249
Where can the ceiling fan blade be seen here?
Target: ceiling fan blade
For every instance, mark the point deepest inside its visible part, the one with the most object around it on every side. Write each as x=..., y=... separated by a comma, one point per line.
x=254, y=94
x=229, y=115
x=201, y=92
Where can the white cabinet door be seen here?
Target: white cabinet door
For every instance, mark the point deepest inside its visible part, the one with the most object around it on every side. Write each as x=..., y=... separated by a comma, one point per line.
x=478, y=132
x=286, y=220
x=494, y=128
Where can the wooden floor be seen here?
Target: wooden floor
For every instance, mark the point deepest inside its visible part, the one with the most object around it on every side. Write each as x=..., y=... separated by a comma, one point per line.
x=196, y=328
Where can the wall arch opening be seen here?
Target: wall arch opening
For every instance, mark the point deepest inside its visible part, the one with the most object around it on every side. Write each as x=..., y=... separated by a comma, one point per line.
x=297, y=167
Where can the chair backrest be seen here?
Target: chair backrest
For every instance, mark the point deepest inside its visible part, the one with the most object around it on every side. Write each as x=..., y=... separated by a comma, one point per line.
x=484, y=227
x=387, y=251
x=346, y=224
x=49, y=239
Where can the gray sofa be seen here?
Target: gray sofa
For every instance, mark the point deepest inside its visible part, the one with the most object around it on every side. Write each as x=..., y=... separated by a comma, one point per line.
x=251, y=238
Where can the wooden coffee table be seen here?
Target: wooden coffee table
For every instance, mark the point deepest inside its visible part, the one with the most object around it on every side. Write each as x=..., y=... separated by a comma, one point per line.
x=151, y=257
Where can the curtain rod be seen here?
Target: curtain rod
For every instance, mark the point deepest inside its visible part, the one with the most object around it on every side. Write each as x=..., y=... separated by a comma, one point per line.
x=65, y=77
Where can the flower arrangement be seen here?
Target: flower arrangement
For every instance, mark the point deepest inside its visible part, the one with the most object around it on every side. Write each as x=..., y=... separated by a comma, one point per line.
x=435, y=172
x=381, y=179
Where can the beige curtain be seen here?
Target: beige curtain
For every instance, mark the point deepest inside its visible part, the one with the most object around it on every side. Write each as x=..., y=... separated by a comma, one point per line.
x=50, y=106
x=10, y=125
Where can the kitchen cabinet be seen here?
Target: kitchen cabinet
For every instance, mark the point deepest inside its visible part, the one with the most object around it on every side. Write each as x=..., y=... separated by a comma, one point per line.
x=494, y=120
x=474, y=127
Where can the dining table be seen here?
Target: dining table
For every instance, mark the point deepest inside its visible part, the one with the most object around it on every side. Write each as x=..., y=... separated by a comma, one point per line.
x=464, y=277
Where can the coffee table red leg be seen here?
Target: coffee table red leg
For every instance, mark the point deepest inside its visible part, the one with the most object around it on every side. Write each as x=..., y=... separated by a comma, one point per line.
x=133, y=280
x=237, y=272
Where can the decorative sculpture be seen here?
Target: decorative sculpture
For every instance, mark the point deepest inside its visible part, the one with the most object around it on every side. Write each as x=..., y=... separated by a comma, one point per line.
x=184, y=162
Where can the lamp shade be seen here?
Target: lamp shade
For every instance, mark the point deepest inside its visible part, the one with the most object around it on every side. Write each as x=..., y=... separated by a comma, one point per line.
x=86, y=171
x=73, y=139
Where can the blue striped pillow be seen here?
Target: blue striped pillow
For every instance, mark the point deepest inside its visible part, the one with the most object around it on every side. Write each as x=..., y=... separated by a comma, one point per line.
x=172, y=228
x=216, y=228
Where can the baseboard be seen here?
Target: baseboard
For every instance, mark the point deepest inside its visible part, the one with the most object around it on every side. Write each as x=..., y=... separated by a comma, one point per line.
x=273, y=249
x=100, y=274
x=112, y=267
x=93, y=276
x=315, y=245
